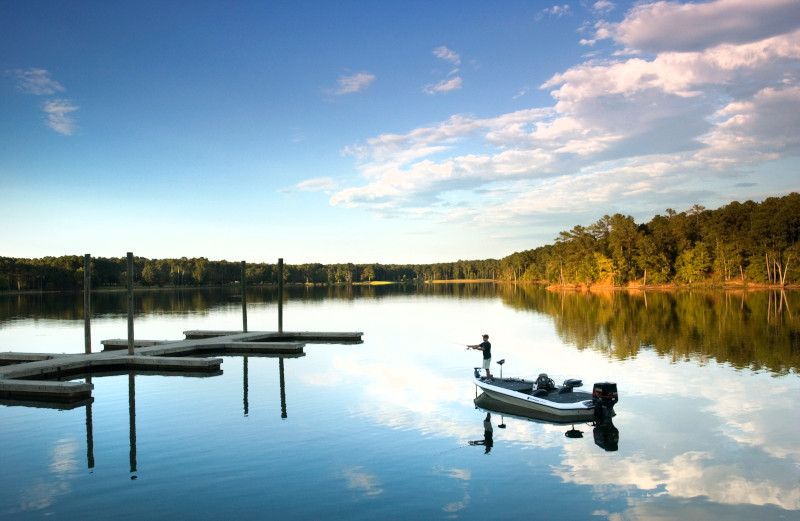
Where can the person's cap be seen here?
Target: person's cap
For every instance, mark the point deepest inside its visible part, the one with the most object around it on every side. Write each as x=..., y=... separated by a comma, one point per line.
x=485, y=336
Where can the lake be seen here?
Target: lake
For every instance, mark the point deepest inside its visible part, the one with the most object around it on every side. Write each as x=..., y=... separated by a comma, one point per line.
x=706, y=426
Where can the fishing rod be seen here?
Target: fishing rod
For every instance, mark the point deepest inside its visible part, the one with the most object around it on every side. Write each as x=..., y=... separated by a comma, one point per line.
x=457, y=343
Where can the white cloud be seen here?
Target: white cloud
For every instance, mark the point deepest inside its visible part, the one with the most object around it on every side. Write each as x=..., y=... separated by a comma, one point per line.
x=603, y=6
x=354, y=83
x=453, y=82
x=665, y=128
x=557, y=10
x=444, y=86
x=58, y=116
x=758, y=129
x=447, y=54
x=320, y=184
x=674, y=26
x=57, y=111
x=36, y=81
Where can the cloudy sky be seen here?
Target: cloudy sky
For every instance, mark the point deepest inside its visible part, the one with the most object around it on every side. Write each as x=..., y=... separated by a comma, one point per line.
x=410, y=132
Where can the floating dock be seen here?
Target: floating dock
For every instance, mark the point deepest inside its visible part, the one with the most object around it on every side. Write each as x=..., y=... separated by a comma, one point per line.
x=33, y=376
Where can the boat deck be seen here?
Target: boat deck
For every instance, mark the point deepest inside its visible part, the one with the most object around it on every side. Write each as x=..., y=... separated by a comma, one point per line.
x=527, y=387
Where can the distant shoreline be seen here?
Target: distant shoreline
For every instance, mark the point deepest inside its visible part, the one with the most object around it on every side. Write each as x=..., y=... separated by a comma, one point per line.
x=577, y=288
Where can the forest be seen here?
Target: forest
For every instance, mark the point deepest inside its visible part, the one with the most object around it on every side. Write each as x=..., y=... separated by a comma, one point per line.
x=739, y=243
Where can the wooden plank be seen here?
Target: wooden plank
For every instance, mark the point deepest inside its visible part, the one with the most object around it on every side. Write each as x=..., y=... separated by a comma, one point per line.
x=115, y=344
x=160, y=363
x=9, y=358
x=289, y=336
x=197, y=334
x=44, y=390
x=47, y=368
x=263, y=347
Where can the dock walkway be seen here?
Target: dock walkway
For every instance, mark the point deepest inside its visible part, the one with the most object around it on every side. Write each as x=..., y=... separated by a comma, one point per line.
x=33, y=376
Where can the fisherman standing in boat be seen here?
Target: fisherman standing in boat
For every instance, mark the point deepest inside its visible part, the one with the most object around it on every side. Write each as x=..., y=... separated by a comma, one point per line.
x=486, y=347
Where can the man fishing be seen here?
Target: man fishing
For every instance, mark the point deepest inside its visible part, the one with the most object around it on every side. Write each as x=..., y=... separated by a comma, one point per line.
x=486, y=347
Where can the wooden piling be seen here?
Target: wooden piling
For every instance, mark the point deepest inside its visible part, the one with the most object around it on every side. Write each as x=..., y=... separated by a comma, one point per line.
x=244, y=297
x=87, y=302
x=130, y=303
x=280, y=295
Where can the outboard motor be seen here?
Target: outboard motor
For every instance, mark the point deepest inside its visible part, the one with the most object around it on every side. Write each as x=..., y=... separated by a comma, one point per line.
x=604, y=397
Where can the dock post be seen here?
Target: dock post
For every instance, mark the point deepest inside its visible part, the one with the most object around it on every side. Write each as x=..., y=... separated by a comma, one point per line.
x=244, y=297
x=280, y=295
x=130, y=303
x=87, y=303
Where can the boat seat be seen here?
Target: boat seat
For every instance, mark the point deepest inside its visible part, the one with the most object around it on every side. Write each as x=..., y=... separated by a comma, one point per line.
x=545, y=382
x=539, y=393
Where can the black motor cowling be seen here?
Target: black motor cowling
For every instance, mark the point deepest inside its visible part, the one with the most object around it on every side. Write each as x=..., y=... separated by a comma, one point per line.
x=604, y=397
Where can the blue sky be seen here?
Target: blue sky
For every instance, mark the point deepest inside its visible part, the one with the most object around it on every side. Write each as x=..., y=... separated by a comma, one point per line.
x=406, y=132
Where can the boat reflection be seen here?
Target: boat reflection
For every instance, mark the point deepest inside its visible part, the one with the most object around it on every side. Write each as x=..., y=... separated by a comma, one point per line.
x=606, y=435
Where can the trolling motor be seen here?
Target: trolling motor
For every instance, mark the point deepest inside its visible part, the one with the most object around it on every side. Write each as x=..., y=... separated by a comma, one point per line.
x=604, y=397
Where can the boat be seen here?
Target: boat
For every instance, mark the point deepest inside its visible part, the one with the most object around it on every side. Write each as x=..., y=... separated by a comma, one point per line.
x=544, y=396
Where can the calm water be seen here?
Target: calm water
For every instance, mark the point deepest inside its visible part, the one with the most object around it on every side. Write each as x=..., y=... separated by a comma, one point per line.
x=707, y=420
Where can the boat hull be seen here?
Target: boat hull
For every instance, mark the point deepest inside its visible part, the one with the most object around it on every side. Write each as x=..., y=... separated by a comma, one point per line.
x=487, y=403
x=575, y=405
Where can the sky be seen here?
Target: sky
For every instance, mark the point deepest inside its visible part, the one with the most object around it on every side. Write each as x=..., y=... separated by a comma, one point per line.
x=389, y=132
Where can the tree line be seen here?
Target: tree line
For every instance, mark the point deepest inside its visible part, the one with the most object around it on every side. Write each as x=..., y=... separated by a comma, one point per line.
x=66, y=273
x=746, y=242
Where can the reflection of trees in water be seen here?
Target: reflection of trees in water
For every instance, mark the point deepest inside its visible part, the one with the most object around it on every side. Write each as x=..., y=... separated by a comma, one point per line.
x=756, y=329
x=69, y=306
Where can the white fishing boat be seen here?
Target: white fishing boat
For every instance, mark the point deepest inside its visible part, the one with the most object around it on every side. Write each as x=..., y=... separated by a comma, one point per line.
x=563, y=401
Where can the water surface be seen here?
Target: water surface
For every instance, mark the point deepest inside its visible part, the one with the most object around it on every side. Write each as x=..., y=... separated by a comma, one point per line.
x=387, y=429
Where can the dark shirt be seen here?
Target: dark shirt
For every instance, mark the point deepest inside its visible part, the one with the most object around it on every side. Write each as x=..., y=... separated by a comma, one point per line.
x=487, y=350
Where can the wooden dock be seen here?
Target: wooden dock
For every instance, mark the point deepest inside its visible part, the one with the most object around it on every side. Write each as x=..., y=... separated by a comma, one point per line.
x=33, y=376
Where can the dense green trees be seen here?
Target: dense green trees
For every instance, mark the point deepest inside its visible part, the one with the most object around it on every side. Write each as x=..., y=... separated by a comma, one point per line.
x=66, y=273
x=747, y=242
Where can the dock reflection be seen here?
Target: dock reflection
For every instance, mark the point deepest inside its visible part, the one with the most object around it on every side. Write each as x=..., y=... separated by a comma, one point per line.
x=88, y=402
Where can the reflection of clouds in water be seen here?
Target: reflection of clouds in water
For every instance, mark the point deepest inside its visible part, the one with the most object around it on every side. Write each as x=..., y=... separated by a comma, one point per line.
x=464, y=476
x=688, y=475
x=368, y=483
x=749, y=414
x=457, y=506
x=42, y=494
x=743, y=456
x=64, y=459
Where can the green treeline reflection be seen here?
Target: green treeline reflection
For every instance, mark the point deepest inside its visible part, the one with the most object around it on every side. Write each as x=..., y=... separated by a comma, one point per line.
x=747, y=329
x=69, y=306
